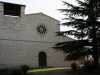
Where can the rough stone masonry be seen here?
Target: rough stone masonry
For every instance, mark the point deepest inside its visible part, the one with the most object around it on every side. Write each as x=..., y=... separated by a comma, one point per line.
x=28, y=38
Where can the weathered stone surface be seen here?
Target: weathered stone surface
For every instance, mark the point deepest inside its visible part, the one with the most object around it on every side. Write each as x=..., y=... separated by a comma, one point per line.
x=20, y=43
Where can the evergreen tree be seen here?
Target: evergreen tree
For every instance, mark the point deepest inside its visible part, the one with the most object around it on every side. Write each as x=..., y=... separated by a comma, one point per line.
x=84, y=19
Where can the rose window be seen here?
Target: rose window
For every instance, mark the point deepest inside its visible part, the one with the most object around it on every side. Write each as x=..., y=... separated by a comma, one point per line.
x=41, y=29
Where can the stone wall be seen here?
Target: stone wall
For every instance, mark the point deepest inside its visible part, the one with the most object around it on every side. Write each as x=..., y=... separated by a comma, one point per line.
x=20, y=43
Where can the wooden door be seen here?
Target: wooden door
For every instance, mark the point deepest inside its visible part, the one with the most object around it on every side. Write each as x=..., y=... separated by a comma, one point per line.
x=42, y=59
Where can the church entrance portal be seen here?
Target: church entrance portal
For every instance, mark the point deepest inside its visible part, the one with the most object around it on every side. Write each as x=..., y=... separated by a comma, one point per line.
x=42, y=59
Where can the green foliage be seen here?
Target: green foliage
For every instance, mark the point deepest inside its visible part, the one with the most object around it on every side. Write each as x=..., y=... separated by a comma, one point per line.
x=84, y=19
x=75, y=49
x=74, y=66
x=25, y=68
x=89, y=66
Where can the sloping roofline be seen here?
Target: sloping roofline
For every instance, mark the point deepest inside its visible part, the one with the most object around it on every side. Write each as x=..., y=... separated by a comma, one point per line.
x=43, y=14
x=49, y=17
x=32, y=13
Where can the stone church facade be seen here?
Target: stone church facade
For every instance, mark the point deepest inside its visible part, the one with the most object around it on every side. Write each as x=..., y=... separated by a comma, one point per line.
x=28, y=38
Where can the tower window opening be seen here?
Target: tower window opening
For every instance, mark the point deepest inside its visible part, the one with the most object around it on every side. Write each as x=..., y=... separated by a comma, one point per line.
x=12, y=9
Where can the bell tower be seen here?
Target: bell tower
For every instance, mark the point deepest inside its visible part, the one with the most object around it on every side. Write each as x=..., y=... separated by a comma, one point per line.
x=11, y=9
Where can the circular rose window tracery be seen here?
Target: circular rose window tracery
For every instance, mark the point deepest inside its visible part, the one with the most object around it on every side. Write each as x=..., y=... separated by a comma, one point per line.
x=41, y=29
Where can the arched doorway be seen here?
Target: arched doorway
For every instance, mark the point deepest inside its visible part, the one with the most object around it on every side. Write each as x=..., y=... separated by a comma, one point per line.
x=42, y=59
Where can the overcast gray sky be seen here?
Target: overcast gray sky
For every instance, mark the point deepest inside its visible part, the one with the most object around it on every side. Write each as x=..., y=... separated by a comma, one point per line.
x=48, y=7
